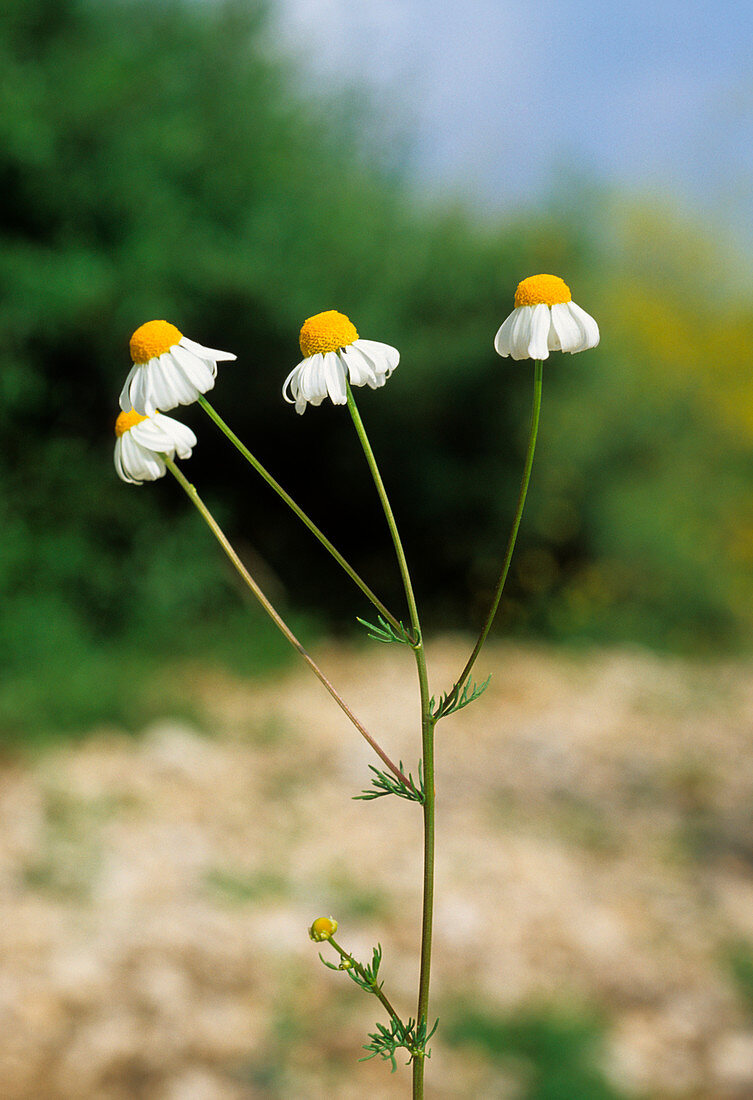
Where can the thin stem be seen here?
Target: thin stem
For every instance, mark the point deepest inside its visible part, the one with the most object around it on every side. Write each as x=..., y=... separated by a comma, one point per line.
x=306, y=520
x=532, y=434
x=276, y=618
x=427, y=908
x=372, y=464
x=375, y=989
x=427, y=744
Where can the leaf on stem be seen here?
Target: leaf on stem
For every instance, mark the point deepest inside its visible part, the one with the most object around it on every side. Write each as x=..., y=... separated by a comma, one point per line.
x=366, y=976
x=385, y=632
x=455, y=699
x=386, y=1041
x=385, y=783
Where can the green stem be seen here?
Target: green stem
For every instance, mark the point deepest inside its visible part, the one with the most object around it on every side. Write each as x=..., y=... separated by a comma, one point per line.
x=427, y=909
x=375, y=989
x=306, y=520
x=403, y=564
x=533, y=432
x=427, y=744
x=276, y=618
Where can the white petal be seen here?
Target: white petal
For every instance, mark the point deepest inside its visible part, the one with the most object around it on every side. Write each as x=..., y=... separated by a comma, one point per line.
x=538, y=345
x=170, y=385
x=502, y=344
x=148, y=433
x=520, y=333
x=361, y=370
x=384, y=357
x=200, y=373
x=125, y=394
x=313, y=386
x=334, y=376
x=163, y=435
x=140, y=463
x=206, y=353
x=118, y=459
x=139, y=392
x=291, y=385
x=183, y=439
x=566, y=328
x=590, y=328
x=318, y=377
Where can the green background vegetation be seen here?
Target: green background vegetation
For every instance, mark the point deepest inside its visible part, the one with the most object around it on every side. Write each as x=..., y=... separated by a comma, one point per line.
x=165, y=161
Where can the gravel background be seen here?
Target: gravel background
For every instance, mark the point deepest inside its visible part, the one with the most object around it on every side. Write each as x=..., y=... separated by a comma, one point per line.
x=595, y=850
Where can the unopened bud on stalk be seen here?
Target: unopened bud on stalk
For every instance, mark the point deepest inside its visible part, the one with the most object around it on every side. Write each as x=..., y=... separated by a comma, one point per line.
x=323, y=928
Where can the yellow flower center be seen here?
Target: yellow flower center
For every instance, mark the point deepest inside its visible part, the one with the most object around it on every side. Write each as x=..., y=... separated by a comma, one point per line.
x=325, y=332
x=126, y=421
x=548, y=290
x=153, y=339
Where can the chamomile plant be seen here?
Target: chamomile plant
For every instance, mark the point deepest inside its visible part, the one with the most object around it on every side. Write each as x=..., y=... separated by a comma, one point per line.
x=170, y=370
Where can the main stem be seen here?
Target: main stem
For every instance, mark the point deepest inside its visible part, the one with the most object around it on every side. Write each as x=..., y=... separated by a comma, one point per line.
x=532, y=435
x=427, y=744
x=306, y=520
x=276, y=618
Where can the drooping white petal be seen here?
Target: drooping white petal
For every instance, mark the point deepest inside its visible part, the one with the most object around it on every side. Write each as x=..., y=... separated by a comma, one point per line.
x=176, y=382
x=520, y=334
x=590, y=328
x=118, y=459
x=199, y=372
x=135, y=463
x=384, y=357
x=139, y=391
x=502, y=337
x=502, y=343
x=313, y=385
x=210, y=354
x=538, y=344
x=334, y=377
x=361, y=370
x=164, y=435
x=568, y=333
x=124, y=400
x=291, y=385
x=183, y=439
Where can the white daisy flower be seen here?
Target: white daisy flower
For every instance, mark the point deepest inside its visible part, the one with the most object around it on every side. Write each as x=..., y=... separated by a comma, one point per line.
x=143, y=441
x=168, y=369
x=333, y=354
x=545, y=319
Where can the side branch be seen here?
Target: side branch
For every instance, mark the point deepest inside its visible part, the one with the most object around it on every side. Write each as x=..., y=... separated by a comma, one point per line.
x=305, y=519
x=276, y=617
x=454, y=692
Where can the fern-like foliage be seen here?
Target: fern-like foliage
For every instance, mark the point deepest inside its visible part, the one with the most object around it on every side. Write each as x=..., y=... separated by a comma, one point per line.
x=385, y=632
x=456, y=699
x=386, y=1041
x=384, y=783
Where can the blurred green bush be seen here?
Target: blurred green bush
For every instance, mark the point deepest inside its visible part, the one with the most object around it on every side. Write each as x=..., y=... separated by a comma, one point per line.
x=165, y=160
x=552, y=1054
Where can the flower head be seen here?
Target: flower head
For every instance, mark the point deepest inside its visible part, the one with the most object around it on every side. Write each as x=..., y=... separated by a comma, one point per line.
x=333, y=353
x=143, y=441
x=545, y=319
x=323, y=928
x=168, y=369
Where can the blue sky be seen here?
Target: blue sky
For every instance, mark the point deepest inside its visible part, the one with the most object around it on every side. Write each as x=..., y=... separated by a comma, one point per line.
x=501, y=96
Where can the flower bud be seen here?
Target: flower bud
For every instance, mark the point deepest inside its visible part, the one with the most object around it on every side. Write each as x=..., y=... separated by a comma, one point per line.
x=323, y=928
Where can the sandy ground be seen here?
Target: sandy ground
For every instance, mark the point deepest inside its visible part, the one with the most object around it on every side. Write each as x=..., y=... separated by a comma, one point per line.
x=595, y=849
